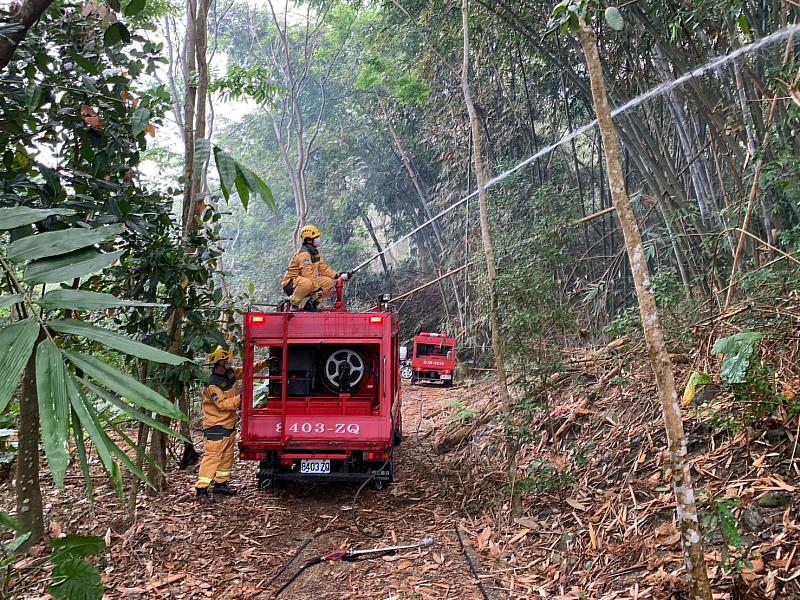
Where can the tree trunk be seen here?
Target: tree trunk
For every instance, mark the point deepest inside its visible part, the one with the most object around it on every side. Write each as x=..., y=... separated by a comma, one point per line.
x=158, y=452
x=654, y=335
x=133, y=492
x=26, y=16
x=189, y=110
x=488, y=249
x=201, y=91
x=28, y=490
x=195, y=74
x=376, y=241
x=169, y=24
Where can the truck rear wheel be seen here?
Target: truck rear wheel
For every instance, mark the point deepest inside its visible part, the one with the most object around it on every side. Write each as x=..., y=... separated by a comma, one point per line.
x=266, y=484
x=266, y=477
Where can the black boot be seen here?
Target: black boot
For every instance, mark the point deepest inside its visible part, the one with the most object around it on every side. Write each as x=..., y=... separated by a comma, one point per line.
x=190, y=457
x=203, y=495
x=223, y=489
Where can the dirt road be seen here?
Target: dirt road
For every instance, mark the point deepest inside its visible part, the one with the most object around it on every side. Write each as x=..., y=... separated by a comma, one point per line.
x=177, y=548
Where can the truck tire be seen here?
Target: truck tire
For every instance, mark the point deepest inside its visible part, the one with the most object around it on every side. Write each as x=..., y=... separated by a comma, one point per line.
x=266, y=476
x=266, y=484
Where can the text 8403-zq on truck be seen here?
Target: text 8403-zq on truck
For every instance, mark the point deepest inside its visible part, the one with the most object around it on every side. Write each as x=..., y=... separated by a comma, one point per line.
x=328, y=407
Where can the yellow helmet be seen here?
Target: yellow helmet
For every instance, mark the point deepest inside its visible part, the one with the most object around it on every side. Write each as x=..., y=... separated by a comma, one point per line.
x=309, y=231
x=219, y=354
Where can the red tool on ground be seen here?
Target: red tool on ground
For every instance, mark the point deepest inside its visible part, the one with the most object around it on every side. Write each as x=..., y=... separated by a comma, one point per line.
x=328, y=407
x=433, y=358
x=350, y=555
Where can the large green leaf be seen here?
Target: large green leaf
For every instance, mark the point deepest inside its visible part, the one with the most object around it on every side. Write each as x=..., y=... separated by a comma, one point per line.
x=76, y=546
x=19, y=216
x=116, y=450
x=10, y=299
x=53, y=243
x=738, y=349
x=126, y=386
x=242, y=187
x=17, y=342
x=127, y=408
x=697, y=378
x=614, y=18
x=12, y=546
x=94, y=429
x=54, y=411
x=258, y=186
x=83, y=300
x=116, y=341
x=116, y=33
x=84, y=63
x=226, y=167
x=68, y=266
x=139, y=120
x=76, y=579
x=33, y=96
x=9, y=522
x=134, y=7
x=202, y=150
x=83, y=459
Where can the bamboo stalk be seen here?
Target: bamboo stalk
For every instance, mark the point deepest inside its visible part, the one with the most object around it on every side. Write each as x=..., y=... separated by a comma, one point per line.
x=661, y=362
x=432, y=282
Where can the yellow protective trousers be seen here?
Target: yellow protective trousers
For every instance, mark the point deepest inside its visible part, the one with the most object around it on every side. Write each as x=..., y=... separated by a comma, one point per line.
x=217, y=456
x=304, y=287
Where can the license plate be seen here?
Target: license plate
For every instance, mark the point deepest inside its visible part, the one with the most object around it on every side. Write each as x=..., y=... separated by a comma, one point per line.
x=446, y=377
x=315, y=466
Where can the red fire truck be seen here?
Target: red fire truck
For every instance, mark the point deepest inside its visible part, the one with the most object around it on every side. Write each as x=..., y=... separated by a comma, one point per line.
x=328, y=405
x=433, y=358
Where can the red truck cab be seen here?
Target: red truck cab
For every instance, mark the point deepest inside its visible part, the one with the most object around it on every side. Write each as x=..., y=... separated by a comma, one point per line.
x=328, y=405
x=433, y=358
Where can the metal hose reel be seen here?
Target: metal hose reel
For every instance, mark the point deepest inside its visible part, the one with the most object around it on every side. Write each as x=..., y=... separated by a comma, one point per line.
x=344, y=370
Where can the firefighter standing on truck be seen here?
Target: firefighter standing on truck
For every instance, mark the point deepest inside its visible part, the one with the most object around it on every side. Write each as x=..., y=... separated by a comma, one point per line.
x=221, y=401
x=308, y=275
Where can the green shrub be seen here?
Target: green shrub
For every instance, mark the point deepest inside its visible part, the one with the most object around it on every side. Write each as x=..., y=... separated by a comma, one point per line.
x=626, y=322
x=72, y=577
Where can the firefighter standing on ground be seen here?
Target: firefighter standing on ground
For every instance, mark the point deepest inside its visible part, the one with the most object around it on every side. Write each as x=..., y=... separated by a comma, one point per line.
x=308, y=275
x=221, y=401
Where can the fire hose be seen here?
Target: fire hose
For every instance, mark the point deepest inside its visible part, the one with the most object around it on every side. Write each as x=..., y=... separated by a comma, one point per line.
x=352, y=555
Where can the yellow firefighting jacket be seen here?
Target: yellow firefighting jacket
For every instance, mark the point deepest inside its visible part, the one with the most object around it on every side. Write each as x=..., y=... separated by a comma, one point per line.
x=308, y=265
x=220, y=406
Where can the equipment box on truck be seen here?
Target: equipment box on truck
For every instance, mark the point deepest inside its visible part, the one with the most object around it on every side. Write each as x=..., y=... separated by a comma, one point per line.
x=433, y=358
x=328, y=406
